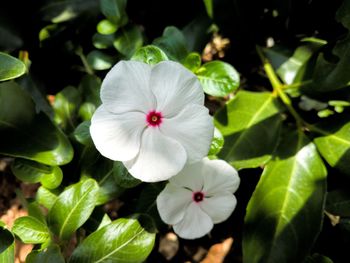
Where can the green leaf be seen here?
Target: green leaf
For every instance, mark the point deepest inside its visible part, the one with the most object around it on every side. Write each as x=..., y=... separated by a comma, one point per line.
x=334, y=142
x=173, y=43
x=149, y=54
x=125, y=237
x=46, y=197
x=102, y=41
x=338, y=203
x=7, y=246
x=82, y=133
x=250, y=124
x=128, y=40
x=218, y=78
x=31, y=230
x=86, y=111
x=284, y=215
x=10, y=67
x=33, y=172
x=106, y=27
x=105, y=221
x=90, y=89
x=217, y=143
x=72, y=208
x=192, y=61
x=29, y=135
x=114, y=10
x=209, y=7
x=51, y=254
x=36, y=211
x=66, y=106
x=317, y=258
x=99, y=60
x=123, y=177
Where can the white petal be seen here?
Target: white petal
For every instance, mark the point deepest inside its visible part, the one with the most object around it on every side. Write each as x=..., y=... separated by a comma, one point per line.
x=172, y=203
x=160, y=157
x=190, y=177
x=195, y=224
x=219, y=176
x=126, y=88
x=219, y=207
x=117, y=136
x=174, y=87
x=193, y=127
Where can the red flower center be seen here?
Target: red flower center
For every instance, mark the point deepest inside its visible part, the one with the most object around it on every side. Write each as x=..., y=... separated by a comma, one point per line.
x=198, y=197
x=154, y=118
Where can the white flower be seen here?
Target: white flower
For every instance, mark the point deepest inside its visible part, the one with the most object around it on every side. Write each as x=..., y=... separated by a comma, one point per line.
x=198, y=197
x=152, y=118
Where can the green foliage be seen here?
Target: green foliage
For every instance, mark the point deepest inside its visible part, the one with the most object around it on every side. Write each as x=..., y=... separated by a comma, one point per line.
x=31, y=230
x=128, y=40
x=149, y=54
x=10, y=67
x=114, y=10
x=7, y=246
x=51, y=254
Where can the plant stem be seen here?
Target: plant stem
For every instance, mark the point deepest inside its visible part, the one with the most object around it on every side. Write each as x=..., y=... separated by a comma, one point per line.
x=277, y=86
x=87, y=67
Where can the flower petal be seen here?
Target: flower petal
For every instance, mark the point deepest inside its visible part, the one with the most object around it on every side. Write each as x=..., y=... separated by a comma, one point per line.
x=174, y=87
x=126, y=88
x=160, y=157
x=219, y=207
x=172, y=203
x=195, y=223
x=190, y=177
x=117, y=136
x=219, y=176
x=193, y=127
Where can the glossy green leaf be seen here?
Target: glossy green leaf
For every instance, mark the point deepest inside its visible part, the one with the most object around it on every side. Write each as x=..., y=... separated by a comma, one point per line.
x=90, y=89
x=102, y=41
x=99, y=60
x=34, y=172
x=7, y=246
x=250, y=124
x=334, y=143
x=218, y=78
x=284, y=215
x=217, y=143
x=114, y=10
x=105, y=221
x=338, y=203
x=29, y=135
x=51, y=254
x=317, y=258
x=149, y=54
x=128, y=40
x=31, y=230
x=106, y=27
x=192, y=61
x=173, y=43
x=36, y=211
x=122, y=177
x=72, y=208
x=82, y=133
x=10, y=67
x=127, y=242
x=46, y=197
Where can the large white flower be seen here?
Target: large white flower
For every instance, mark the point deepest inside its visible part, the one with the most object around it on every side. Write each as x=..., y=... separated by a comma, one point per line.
x=200, y=196
x=152, y=118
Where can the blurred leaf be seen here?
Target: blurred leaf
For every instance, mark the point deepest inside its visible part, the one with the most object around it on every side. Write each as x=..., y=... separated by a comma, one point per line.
x=278, y=55
x=66, y=107
x=192, y=61
x=218, y=78
x=128, y=40
x=105, y=27
x=250, y=124
x=209, y=7
x=26, y=134
x=114, y=10
x=197, y=33
x=9, y=40
x=51, y=254
x=334, y=142
x=338, y=203
x=173, y=43
x=317, y=258
x=86, y=111
x=7, y=246
x=33, y=172
x=72, y=208
x=217, y=143
x=99, y=60
x=90, y=89
x=102, y=41
x=31, y=230
x=82, y=133
x=125, y=237
x=122, y=177
x=149, y=54
x=46, y=197
x=284, y=215
x=10, y=67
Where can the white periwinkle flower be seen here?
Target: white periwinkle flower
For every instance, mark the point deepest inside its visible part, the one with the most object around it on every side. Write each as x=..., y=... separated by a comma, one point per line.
x=198, y=197
x=152, y=118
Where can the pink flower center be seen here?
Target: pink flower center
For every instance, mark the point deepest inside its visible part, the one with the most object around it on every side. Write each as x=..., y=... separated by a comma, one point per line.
x=154, y=118
x=198, y=197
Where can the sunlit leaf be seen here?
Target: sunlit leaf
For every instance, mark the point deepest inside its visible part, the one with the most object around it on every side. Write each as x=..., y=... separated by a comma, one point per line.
x=192, y=61
x=99, y=60
x=149, y=54
x=105, y=27
x=10, y=67
x=217, y=143
x=31, y=230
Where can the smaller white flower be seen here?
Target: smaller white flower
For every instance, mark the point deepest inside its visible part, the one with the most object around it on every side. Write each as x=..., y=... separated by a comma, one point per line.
x=200, y=196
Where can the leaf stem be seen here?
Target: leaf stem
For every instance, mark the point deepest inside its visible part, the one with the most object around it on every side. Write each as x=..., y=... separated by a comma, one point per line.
x=277, y=86
x=87, y=67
